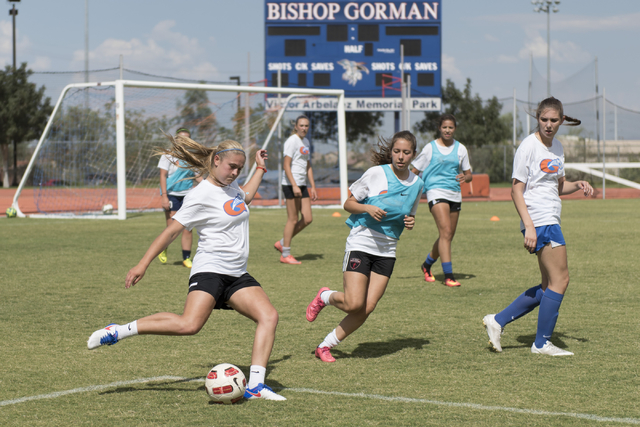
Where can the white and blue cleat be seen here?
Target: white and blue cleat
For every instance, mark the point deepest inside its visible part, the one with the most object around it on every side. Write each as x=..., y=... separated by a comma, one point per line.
x=262, y=391
x=104, y=336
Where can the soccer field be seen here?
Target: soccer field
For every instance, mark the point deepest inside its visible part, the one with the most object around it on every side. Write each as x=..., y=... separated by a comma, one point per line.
x=422, y=358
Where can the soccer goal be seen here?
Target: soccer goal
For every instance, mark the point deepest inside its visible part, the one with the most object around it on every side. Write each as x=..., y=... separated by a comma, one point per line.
x=98, y=147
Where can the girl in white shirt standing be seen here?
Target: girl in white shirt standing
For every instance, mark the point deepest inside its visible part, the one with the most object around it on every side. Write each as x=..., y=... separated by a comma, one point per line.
x=538, y=183
x=444, y=164
x=217, y=208
x=297, y=170
x=383, y=202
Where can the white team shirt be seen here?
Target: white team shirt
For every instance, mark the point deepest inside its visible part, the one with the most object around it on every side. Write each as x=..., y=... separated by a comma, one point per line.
x=298, y=149
x=221, y=217
x=170, y=164
x=423, y=160
x=539, y=168
x=372, y=183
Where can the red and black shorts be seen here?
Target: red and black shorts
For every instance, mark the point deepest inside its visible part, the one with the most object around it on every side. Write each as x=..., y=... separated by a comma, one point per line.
x=220, y=286
x=365, y=263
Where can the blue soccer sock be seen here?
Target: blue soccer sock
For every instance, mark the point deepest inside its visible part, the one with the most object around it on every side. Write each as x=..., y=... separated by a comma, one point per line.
x=522, y=305
x=429, y=261
x=447, y=268
x=547, y=316
x=186, y=254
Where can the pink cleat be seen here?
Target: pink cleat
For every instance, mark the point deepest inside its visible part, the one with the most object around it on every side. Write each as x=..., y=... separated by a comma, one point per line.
x=315, y=306
x=278, y=246
x=428, y=276
x=451, y=283
x=324, y=354
x=289, y=260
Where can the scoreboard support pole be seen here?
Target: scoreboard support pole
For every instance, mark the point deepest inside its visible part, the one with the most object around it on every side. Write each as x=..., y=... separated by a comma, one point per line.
x=342, y=150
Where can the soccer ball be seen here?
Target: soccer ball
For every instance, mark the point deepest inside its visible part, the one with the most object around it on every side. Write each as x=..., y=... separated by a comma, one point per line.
x=225, y=384
x=107, y=209
x=11, y=212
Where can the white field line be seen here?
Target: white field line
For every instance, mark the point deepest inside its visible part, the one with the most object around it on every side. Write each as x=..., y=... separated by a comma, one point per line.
x=475, y=406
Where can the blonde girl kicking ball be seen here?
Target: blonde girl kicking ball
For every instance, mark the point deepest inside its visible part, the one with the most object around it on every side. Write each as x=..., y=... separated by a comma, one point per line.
x=538, y=183
x=382, y=204
x=217, y=208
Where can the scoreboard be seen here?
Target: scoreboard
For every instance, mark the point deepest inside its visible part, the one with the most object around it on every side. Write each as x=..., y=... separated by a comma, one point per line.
x=355, y=46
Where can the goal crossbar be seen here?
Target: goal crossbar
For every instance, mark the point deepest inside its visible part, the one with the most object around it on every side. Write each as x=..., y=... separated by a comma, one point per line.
x=119, y=86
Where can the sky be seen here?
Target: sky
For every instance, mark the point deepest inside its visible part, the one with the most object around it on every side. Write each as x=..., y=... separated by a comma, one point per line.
x=488, y=41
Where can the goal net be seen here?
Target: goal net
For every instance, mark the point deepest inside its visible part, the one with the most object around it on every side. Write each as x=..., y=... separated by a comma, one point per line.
x=97, y=154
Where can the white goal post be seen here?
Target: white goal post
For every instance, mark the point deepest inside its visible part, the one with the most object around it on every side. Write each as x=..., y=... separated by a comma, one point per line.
x=121, y=114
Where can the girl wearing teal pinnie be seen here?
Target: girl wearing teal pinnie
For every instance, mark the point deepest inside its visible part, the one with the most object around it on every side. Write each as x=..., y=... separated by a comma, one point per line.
x=383, y=203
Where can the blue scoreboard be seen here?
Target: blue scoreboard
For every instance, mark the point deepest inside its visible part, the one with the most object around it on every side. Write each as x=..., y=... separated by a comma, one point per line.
x=355, y=46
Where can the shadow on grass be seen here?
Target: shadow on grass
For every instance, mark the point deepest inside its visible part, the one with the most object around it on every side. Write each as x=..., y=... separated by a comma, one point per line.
x=439, y=277
x=310, y=257
x=167, y=385
x=371, y=350
x=556, y=339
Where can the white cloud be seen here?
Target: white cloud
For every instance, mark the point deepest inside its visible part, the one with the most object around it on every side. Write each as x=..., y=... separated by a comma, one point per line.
x=6, y=44
x=490, y=38
x=507, y=59
x=41, y=63
x=605, y=23
x=164, y=52
x=449, y=69
x=561, y=51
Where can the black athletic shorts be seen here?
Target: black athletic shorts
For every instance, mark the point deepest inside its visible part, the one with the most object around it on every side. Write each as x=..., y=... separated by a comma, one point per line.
x=220, y=286
x=175, y=202
x=362, y=262
x=453, y=206
x=287, y=190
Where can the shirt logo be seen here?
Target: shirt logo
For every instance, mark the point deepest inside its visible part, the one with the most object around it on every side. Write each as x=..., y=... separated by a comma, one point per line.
x=551, y=165
x=235, y=207
x=304, y=150
x=383, y=192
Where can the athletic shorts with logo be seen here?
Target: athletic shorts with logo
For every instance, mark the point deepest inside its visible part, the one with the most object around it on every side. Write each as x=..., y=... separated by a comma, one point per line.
x=221, y=286
x=365, y=263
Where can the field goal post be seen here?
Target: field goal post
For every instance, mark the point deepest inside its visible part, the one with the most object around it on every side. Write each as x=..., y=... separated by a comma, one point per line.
x=120, y=143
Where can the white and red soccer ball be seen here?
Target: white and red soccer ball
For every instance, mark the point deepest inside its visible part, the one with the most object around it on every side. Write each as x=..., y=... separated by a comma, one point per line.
x=225, y=384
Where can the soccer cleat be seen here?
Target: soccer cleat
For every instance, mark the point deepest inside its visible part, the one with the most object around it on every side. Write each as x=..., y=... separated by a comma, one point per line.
x=428, y=277
x=104, y=336
x=262, y=391
x=163, y=257
x=187, y=263
x=289, y=260
x=494, y=330
x=550, y=350
x=278, y=246
x=324, y=354
x=451, y=283
x=315, y=306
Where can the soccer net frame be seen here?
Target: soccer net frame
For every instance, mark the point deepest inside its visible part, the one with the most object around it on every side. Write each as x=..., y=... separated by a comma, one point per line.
x=120, y=114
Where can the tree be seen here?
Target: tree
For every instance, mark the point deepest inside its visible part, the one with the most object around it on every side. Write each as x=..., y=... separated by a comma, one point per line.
x=195, y=114
x=479, y=122
x=24, y=111
x=360, y=125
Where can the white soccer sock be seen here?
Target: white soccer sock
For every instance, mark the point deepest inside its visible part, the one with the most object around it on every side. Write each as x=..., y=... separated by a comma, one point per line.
x=331, y=340
x=286, y=251
x=282, y=242
x=256, y=376
x=324, y=296
x=128, y=330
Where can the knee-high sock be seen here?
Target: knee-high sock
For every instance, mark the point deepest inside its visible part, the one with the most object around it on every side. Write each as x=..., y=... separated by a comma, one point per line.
x=547, y=316
x=522, y=305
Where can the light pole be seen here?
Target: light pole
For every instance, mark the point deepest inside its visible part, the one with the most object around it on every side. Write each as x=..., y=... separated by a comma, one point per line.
x=547, y=6
x=14, y=12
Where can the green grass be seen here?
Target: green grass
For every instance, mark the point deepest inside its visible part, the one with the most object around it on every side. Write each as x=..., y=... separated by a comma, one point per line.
x=63, y=279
